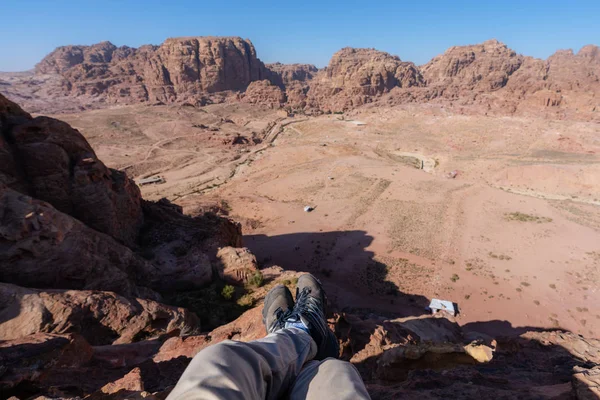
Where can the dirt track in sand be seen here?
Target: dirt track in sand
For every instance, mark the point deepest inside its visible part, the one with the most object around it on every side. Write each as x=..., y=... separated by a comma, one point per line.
x=385, y=235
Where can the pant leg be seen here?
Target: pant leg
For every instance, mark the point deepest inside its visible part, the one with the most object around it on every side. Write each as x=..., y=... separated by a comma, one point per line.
x=258, y=370
x=329, y=379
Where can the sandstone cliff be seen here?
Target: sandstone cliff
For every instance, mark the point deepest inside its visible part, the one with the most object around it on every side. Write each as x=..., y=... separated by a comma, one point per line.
x=358, y=76
x=482, y=78
x=495, y=77
x=69, y=222
x=179, y=69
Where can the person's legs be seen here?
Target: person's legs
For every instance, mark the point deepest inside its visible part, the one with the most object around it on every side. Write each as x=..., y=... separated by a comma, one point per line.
x=266, y=368
x=310, y=312
x=328, y=379
x=257, y=370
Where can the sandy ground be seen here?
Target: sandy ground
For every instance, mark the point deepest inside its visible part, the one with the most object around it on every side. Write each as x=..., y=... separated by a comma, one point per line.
x=514, y=237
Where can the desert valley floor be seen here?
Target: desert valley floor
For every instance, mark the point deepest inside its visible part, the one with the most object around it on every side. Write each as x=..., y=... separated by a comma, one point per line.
x=497, y=214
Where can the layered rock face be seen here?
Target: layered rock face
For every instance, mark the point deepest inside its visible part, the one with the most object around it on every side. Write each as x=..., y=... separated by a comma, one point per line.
x=51, y=161
x=357, y=76
x=102, y=318
x=266, y=93
x=481, y=78
x=178, y=69
x=482, y=68
x=494, y=76
x=69, y=222
x=287, y=74
x=84, y=260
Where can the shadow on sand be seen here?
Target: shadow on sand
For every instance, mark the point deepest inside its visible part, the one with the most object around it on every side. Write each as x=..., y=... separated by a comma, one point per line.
x=538, y=365
x=354, y=281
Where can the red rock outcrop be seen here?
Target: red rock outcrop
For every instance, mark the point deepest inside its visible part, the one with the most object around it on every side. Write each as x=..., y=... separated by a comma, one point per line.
x=179, y=69
x=45, y=248
x=354, y=76
x=286, y=74
x=503, y=82
x=73, y=223
x=481, y=68
x=266, y=93
x=100, y=317
x=482, y=78
x=47, y=159
x=236, y=265
x=413, y=358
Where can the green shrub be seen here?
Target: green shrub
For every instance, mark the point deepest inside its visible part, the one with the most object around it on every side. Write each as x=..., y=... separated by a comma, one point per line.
x=256, y=280
x=228, y=292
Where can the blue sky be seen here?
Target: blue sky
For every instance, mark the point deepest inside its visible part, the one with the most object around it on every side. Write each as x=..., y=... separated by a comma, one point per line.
x=300, y=31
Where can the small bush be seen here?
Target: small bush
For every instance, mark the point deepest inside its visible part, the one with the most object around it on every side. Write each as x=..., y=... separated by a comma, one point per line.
x=246, y=301
x=519, y=216
x=454, y=277
x=228, y=292
x=256, y=280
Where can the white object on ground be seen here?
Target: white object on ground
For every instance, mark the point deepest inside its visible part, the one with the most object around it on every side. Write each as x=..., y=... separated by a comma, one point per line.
x=154, y=179
x=308, y=209
x=452, y=174
x=442, y=305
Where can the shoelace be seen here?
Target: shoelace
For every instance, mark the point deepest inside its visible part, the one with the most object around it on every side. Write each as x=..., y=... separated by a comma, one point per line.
x=309, y=309
x=279, y=321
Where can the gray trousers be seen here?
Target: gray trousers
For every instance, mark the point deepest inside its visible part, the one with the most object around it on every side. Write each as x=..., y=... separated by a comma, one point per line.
x=276, y=366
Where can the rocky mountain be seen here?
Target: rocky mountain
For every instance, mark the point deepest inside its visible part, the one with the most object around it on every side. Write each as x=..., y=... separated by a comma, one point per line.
x=287, y=74
x=483, y=68
x=179, y=69
x=482, y=78
x=358, y=76
x=104, y=295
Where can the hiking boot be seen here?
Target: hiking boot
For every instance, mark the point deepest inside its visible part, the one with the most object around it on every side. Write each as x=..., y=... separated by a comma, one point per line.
x=278, y=302
x=310, y=310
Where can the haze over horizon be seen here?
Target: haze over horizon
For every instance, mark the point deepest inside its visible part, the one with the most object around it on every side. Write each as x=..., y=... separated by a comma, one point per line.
x=308, y=32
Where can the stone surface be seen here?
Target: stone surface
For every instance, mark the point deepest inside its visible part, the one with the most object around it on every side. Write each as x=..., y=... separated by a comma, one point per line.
x=354, y=76
x=26, y=359
x=69, y=222
x=132, y=381
x=481, y=68
x=412, y=358
x=236, y=265
x=43, y=247
x=100, y=317
x=266, y=93
x=286, y=74
x=51, y=161
x=587, y=383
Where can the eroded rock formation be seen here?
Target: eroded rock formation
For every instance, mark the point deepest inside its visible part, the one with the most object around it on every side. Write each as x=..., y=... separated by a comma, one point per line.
x=179, y=69
x=482, y=78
